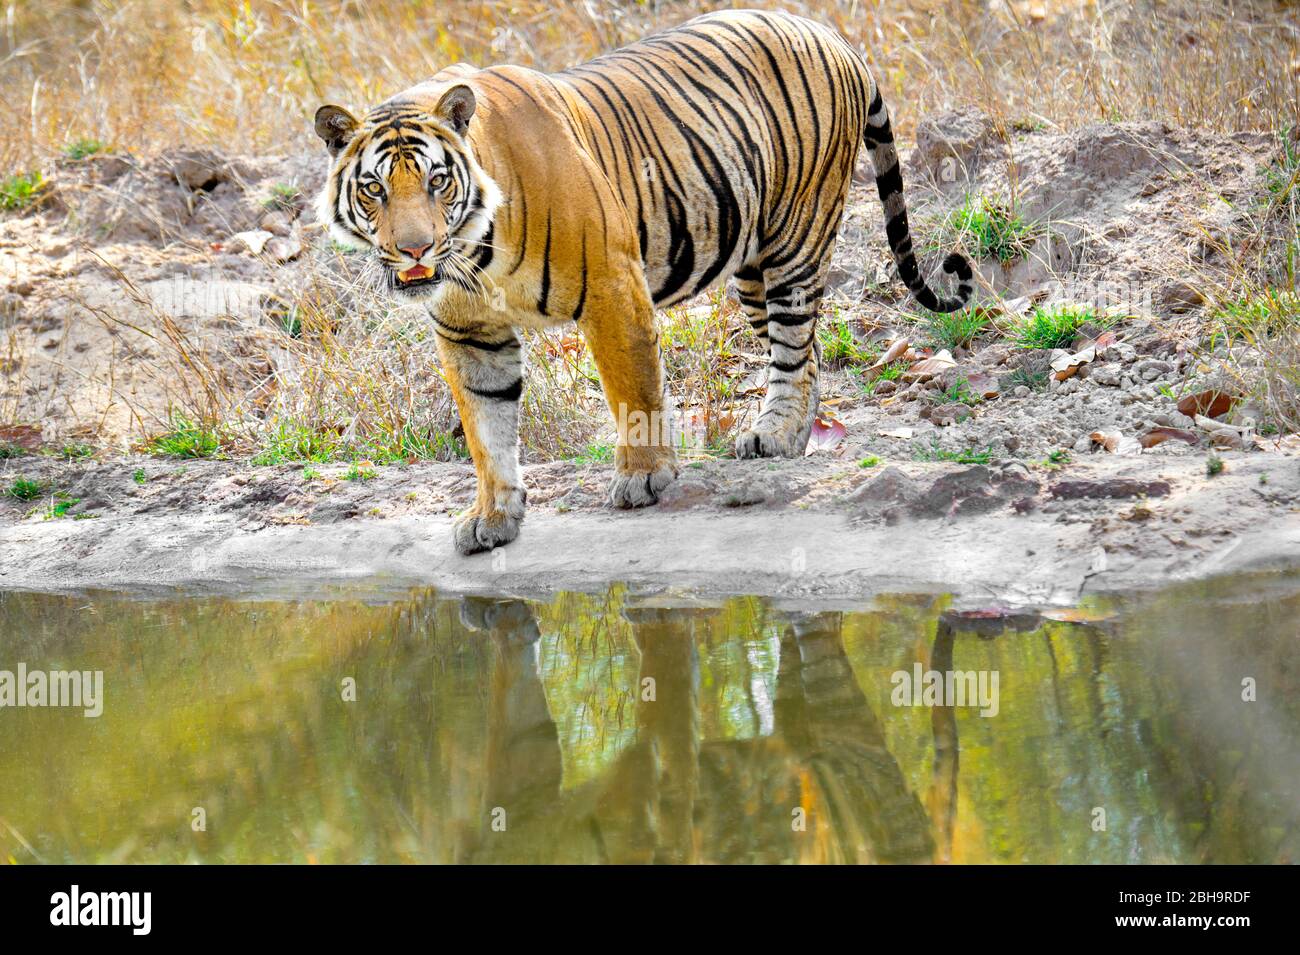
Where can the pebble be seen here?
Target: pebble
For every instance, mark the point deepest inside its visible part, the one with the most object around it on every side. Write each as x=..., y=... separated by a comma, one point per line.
x=1121, y=352
x=1107, y=374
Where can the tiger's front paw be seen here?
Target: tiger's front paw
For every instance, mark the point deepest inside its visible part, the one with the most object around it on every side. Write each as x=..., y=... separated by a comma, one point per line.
x=636, y=488
x=481, y=530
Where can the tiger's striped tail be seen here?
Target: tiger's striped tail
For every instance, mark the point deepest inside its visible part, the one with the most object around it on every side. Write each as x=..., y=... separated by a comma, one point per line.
x=879, y=138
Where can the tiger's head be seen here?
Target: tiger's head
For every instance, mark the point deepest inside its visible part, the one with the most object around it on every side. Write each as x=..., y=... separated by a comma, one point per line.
x=404, y=181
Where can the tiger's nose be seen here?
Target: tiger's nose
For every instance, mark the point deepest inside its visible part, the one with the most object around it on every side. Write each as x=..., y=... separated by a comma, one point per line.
x=415, y=251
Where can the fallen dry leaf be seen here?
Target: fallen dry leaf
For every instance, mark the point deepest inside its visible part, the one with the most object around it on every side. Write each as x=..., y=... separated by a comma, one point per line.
x=1212, y=404
x=895, y=351
x=927, y=368
x=826, y=434
x=1017, y=306
x=1225, y=435
x=1104, y=341
x=1160, y=435
x=904, y=433
x=1068, y=365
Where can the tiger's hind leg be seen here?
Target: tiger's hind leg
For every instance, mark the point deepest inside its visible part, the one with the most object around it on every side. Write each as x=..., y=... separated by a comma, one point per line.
x=791, y=297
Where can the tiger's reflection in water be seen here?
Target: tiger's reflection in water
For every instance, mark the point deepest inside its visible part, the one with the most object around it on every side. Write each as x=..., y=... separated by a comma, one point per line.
x=821, y=787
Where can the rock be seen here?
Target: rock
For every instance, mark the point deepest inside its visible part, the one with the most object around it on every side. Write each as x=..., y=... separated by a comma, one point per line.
x=688, y=490
x=885, y=496
x=1121, y=352
x=949, y=414
x=253, y=241
x=1108, y=488
x=199, y=170
x=278, y=222
x=884, y=388
x=1179, y=296
x=976, y=490
x=281, y=250
x=1159, y=366
x=1106, y=374
x=1084, y=444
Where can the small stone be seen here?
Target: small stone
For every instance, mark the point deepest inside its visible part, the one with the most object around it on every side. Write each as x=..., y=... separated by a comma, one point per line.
x=1180, y=296
x=1154, y=364
x=278, y=222
x=884, y=388
x=949, y=414
x=199, y=169
x=1021, y=391
x=1107, y=374
x=281, y=250
x=1122, y=352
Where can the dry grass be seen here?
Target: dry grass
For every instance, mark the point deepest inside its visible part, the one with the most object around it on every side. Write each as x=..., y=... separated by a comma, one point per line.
x=342, y=373
x=146, y=75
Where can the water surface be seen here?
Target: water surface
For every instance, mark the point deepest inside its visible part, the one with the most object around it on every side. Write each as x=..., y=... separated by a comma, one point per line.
x=619, y=728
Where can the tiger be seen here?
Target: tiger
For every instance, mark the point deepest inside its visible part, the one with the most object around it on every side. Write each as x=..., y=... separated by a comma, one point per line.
x=504, y=199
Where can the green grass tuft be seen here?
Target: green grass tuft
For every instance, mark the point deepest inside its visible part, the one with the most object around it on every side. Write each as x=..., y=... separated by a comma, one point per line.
x=840, y=346
x=60, y=506
x=81, y=148
x=954, y=330
x=185, y=439
x=1261, y=314
x=595, y=453
x=1054, y=327
x=20, y=190
x=285, y=196
x=991, y=229
x=25, y=489
x=965, y=456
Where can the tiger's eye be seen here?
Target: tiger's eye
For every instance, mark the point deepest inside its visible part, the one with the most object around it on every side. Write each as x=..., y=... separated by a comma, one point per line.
x=438, y=181
x=373, y=188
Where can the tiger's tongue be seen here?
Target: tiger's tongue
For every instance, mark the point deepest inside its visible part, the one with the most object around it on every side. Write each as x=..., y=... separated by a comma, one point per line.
x=413, y=273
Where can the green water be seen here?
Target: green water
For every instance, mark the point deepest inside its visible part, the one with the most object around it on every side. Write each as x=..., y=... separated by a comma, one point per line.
x=618, y=728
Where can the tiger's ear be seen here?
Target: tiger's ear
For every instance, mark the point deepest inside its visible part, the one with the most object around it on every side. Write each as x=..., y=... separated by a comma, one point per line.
x=336, y=126
x=456, y=107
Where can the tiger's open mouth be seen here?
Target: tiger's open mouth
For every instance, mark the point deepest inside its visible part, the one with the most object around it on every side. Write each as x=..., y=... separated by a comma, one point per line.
x=414, y=279
x=414, y=274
